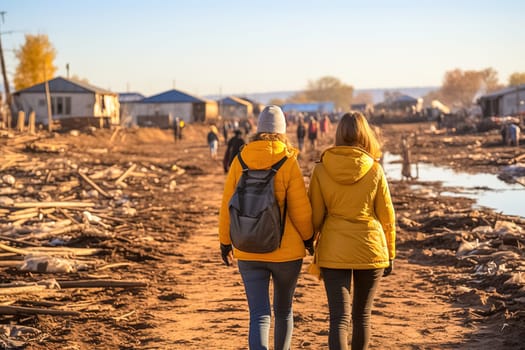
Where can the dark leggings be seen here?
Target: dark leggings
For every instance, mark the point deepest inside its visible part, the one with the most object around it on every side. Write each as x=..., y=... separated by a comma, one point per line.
x=337, y=284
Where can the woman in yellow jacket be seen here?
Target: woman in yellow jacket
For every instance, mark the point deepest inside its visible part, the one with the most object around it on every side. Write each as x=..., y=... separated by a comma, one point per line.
x=282, y=265
x=353, y=213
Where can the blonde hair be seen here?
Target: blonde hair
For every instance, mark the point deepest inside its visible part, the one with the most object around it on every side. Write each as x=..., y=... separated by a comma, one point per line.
x=266, y=136
x=353, y=130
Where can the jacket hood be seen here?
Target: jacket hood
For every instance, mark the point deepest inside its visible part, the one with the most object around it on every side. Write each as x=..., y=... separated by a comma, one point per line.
x=263, y=154
x=346, y=164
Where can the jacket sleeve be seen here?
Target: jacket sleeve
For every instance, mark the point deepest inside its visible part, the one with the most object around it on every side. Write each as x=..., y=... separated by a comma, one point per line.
x=224, y=213
x=298, y=204
x=385, y=213
x=317, y=201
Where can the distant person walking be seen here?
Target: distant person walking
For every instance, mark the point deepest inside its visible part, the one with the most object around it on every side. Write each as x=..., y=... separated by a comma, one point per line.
x=283, y=265
x=511, y=134
x=324, y=125
x=178, y=125
x=226, y=126
x=353, y=214
x=232, y=149
x=313, y=130
x=213, y=141
x=301, y=134
x=177, y=129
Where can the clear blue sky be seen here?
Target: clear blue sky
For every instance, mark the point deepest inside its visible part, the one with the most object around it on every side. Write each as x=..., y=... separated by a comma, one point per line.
x=233, y=46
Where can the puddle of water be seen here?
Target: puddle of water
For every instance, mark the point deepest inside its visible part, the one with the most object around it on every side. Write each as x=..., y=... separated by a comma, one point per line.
x=486, y=189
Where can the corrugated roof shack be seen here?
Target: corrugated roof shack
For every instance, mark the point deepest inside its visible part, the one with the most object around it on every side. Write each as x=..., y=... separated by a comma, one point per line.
x=128, y=102
x=505, y=102
x=73, y=104
x=232, y=107
x=256, y=106
x=402, y=108
x=365, y=108
x=160, y=110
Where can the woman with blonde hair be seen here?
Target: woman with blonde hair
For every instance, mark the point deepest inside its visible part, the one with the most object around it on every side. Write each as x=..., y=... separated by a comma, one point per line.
x=352, y=213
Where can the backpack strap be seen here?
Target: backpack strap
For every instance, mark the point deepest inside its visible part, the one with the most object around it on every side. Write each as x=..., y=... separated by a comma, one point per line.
x=243, y=164
x=279, y=164
x=275, y=168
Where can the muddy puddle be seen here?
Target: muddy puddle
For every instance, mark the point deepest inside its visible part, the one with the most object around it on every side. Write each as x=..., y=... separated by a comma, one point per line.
x=486, y=189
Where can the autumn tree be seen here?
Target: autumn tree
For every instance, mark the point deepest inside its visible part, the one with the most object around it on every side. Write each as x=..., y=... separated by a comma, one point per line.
x=516, y=79
x=326, y=89
x=35, y=61
x=461, y=87
x=490, y=80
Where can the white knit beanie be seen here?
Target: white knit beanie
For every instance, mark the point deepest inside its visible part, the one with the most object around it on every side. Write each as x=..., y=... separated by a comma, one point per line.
x=272, y=120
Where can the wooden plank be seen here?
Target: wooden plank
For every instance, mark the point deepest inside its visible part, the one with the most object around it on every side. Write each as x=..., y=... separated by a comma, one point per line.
x=51, y=250
x=10, y=263
x=18, y=241
x=126, y=174
x=104, y=283
x=21, y=310
x=53, y=205
x=94, y=185
x=24, y=290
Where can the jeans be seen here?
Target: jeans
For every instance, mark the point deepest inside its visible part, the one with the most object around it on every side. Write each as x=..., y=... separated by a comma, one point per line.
x=337, y=284
x=256, y=278
x=214, y=146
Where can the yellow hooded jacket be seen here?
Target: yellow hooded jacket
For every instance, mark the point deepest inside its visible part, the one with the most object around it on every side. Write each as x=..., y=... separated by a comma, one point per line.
x=289, y=183
x=352, y=210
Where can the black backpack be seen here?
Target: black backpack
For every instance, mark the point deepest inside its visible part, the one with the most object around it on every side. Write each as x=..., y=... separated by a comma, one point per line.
x=256, y=225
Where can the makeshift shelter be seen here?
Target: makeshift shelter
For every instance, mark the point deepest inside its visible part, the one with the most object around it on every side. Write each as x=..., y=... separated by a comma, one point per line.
x=128, y=101
x=505, y=102
x=232, y=107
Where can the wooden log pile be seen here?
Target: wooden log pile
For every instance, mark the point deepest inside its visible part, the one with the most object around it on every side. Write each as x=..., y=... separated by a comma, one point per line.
x=75, y=219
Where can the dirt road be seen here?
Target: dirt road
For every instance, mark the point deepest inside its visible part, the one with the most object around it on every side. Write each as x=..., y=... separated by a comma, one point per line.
x=193, y=301
x=412, y=310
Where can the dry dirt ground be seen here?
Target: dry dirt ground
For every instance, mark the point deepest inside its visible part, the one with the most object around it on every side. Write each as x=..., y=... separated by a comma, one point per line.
x=193, y=301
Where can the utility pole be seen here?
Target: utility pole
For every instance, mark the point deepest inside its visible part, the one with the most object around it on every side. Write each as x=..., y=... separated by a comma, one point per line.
x=48, y=102
x=6, y=82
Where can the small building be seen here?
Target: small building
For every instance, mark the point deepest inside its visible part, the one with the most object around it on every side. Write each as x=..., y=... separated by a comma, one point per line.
x=127, y=102
x=256, y=106
x=505, y=102
x=399, y=106
x=160, y=110
x=235, y=108
x=73, y=103
x=314, y=107
x=365, y=108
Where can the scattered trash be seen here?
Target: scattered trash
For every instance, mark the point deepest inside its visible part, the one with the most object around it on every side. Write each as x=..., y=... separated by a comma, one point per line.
x=50, y=264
